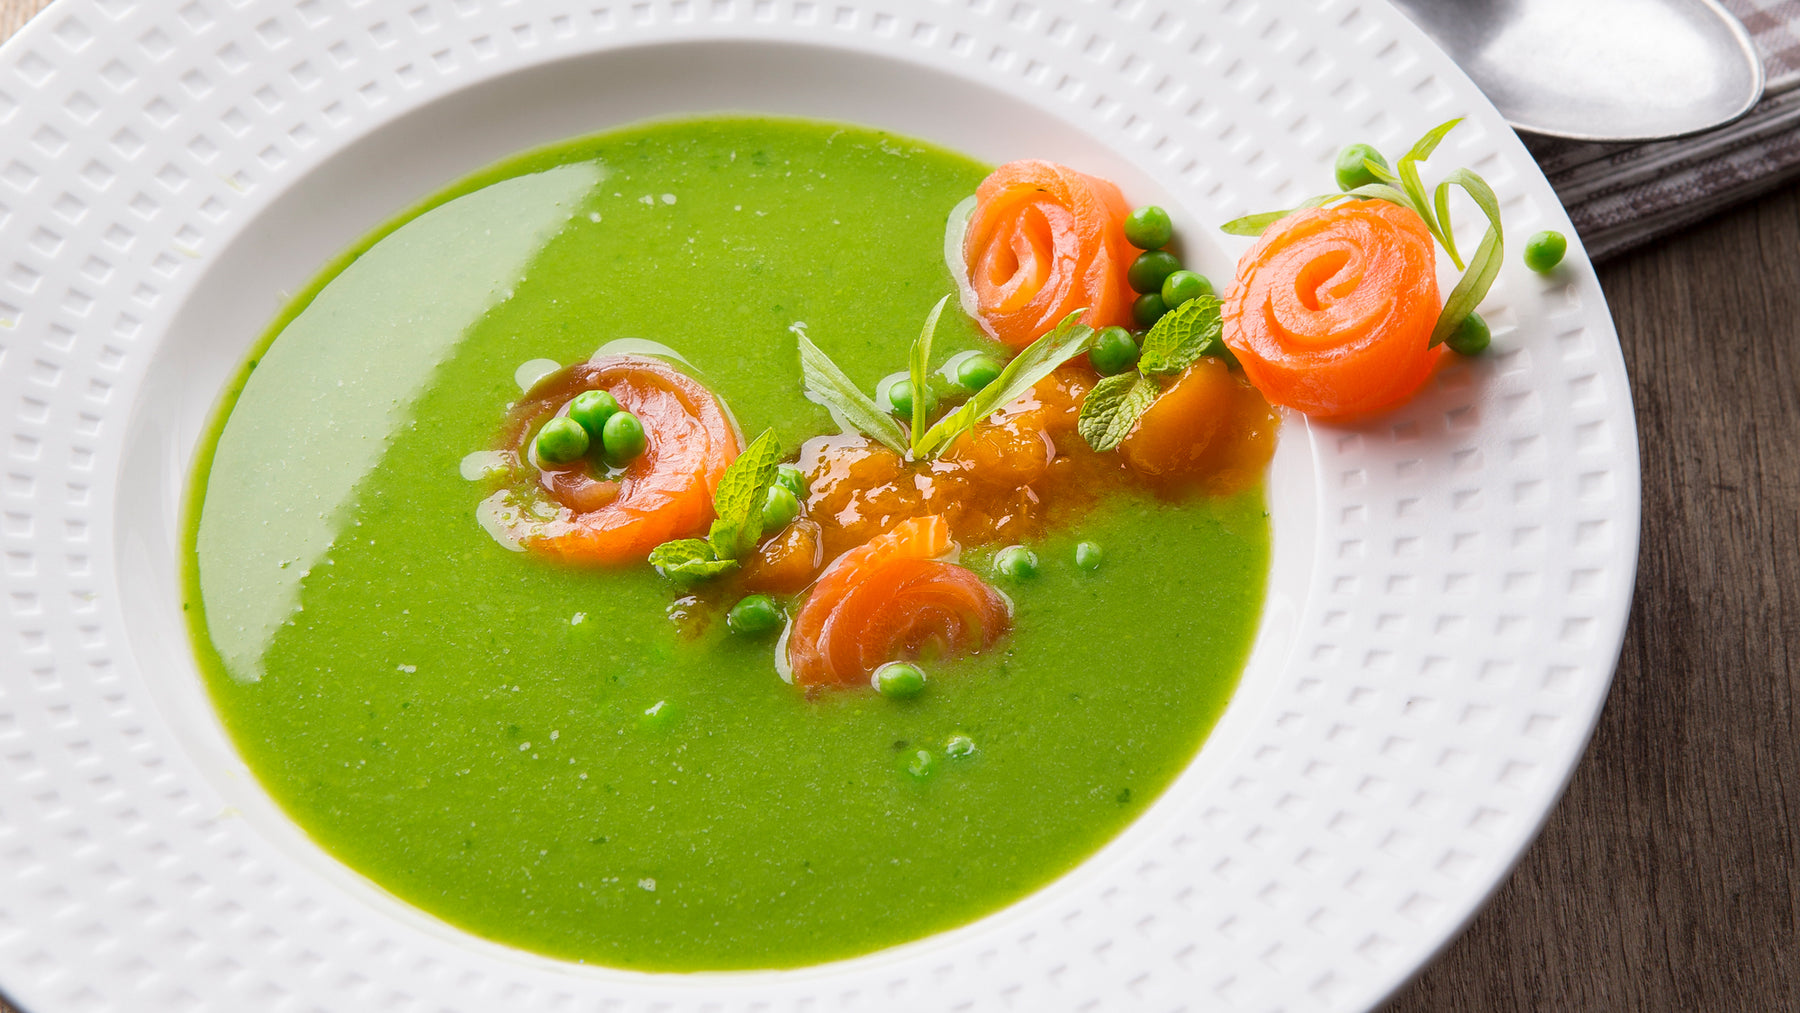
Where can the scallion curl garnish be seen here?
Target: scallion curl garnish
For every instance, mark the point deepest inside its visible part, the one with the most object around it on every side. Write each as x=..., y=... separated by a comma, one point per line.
x=1404, y=186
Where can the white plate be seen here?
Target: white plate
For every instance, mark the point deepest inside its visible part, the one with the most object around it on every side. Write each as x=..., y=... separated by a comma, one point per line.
x=1450, y=586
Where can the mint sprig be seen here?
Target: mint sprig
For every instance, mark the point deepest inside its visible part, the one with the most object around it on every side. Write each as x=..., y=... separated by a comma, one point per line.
x=1178, y=340
x=737, y=523
x=1182, y=336
x=1403, y=185
x=688, y=560
x=1113, y=406
x=737, y=503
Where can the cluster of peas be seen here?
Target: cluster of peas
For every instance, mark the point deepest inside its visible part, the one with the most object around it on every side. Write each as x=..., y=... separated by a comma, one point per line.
x=1160, y=281
x=595, y=422
x=1543, y=251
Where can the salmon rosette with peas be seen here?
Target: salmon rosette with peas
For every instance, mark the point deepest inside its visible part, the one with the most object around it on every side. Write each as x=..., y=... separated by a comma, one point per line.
x=874, y=551
x=628, y=451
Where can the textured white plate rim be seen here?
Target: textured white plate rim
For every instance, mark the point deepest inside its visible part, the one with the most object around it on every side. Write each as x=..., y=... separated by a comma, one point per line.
x=104, y=832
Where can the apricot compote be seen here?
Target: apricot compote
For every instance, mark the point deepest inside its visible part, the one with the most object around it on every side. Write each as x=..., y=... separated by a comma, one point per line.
x=1020, y=470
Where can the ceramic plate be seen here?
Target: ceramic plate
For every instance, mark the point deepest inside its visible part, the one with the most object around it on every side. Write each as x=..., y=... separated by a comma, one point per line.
x=1450, y=582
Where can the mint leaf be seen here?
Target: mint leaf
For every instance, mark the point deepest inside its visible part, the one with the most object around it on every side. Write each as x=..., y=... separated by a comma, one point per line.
x=738, y=503
x=1183, y=335
x=918, y=362
x=827, y=385
x=688, y=559
x=1034, y=362
x=738, y=500
x=1112, y=407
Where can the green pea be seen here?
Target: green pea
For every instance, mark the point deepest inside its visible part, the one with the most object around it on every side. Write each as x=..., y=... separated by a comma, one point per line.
x=658, y=716
x=899, y=680
x=792, y=479
x=1149, y=228
x=959, y=746
x=977, y=371
x=1181, y=286
x=1148, y=309
x=1016, y=562
x=780, y=507
x=1147, y=272
x=1470, y=337
x=1114, y=351
x=1545, y=250
x=560, y=441
x=623, y=438
x=592, y=408
x=1351, y=172
x=1088, y=556
x=900, y=395
x=920, y=764
x=583, y=627
x=755, y=615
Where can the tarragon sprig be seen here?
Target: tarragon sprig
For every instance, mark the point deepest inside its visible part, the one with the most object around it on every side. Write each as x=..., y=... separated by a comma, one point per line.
x=1034, y=362
x=826, y=384
x=1403, y=185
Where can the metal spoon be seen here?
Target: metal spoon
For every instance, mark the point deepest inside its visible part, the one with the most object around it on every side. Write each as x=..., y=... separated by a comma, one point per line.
x=1600, y=70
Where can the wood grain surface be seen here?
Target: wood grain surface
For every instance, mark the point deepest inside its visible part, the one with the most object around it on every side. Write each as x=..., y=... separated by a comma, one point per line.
x=1668, y=878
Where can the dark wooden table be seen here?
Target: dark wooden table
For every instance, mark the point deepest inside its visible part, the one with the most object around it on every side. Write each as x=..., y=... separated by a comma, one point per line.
x=1668, y=878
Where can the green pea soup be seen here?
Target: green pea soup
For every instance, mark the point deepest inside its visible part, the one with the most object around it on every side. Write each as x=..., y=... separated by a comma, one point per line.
x=538, y=754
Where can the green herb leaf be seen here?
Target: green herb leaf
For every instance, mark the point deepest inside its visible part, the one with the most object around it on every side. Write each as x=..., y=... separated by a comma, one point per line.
x=1423, y=148
x=1253, y=225
x=1408, y=170
x=1473, y=286
x=826, y=384
x=1381, y=172
x=1113, y=406
x=918, y=363
x=688, y=559
x=738, y=500
x=1379, y=191
x=1184, y=334
x=1448, y=235
x=1036, y=361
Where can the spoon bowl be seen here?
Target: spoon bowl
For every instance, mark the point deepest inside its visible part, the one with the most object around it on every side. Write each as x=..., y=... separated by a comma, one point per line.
x=1600, y=70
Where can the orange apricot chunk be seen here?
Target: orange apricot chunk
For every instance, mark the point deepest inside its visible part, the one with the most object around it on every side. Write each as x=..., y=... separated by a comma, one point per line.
x=1210, y=427
x=1175, y=432
x=1332, y=309
x=786, y=563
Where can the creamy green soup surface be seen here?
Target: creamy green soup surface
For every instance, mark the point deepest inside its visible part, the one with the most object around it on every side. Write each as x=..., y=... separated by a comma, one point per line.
x=539, y=754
